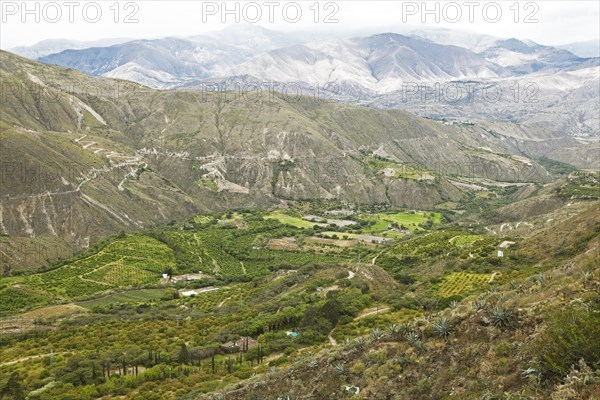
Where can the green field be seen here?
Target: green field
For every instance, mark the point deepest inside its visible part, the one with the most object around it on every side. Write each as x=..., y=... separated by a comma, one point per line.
x=409, y=221
x=459, y=283
x=401, y=170
x=132, y=296
x=130, y=261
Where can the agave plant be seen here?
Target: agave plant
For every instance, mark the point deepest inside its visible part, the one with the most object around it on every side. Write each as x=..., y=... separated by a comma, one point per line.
x=442, y=327
x=501, y=297
x=341, y=369
x=540, y=278
x=453, y=304
x=359, y=343
x=493, y=289
x=502, y=317
x=376, y=334
x=413, y=338
x=420, y=347
x=313, y=364
x=481, y=304
x=404, y=330
x=392, y=329
x=402, y=360
x=587, y=276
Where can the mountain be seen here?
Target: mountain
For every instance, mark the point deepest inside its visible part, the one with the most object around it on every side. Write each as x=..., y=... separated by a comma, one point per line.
x=437, y=81
x=476, y=42
x=562, y=103
x=381, y=70
x=521, y=57
x=589, y=48
x=380, y=63
x=259, y=244
x=51, y=46
x=165, y=62
x=230, y=52
x=133, y=157
x=156, y=63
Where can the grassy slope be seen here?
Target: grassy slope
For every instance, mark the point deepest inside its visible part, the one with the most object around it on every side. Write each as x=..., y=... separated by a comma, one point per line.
x=325, y=140
x=477, y=359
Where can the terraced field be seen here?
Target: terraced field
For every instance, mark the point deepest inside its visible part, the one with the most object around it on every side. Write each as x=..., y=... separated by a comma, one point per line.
x=444, y=243
x=130, y=261
x=459, y=283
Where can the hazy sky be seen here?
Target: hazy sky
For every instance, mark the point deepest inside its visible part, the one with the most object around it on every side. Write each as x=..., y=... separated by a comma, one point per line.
x=546, y=22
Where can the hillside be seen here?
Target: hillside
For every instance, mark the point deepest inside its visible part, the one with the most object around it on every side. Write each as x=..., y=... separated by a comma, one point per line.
x=87, y=157
x=315, y=301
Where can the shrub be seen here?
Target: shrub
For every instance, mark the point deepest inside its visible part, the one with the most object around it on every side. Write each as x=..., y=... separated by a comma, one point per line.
x=571, y=335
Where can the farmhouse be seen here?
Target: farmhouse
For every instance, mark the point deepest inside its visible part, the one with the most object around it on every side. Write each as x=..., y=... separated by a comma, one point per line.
x=242, y=344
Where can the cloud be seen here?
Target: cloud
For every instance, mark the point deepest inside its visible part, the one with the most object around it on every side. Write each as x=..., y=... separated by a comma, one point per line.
x=559, y=22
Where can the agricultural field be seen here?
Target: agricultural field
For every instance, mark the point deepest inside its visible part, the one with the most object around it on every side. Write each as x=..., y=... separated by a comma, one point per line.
x=583, y=185
x=294, y=221
x=357, y=236
x=447, y=243
x=398, y=170
x=130, y=296
x=270, y=278
x=461, y=283
x=220, y=250
x=131, y=261
x=416, y=221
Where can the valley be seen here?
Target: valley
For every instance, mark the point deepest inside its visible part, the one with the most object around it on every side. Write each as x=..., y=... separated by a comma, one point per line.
x=310, y=293
x=160, y=240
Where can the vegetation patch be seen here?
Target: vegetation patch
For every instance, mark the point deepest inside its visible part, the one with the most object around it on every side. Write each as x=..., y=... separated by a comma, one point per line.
x=461, y=283
x=398, y=170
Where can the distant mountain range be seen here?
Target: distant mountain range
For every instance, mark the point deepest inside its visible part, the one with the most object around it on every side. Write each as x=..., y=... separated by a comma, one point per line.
x=163, y=63
x=588, y=48
x=51, y=46
x=373, y=70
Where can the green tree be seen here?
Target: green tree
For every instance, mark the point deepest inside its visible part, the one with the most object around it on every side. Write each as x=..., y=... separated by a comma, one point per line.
x=571, y=335
x=12, y=390
x=184, y=354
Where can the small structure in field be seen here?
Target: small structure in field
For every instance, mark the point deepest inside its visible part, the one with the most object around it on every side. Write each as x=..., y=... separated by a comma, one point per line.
x=242, y=344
